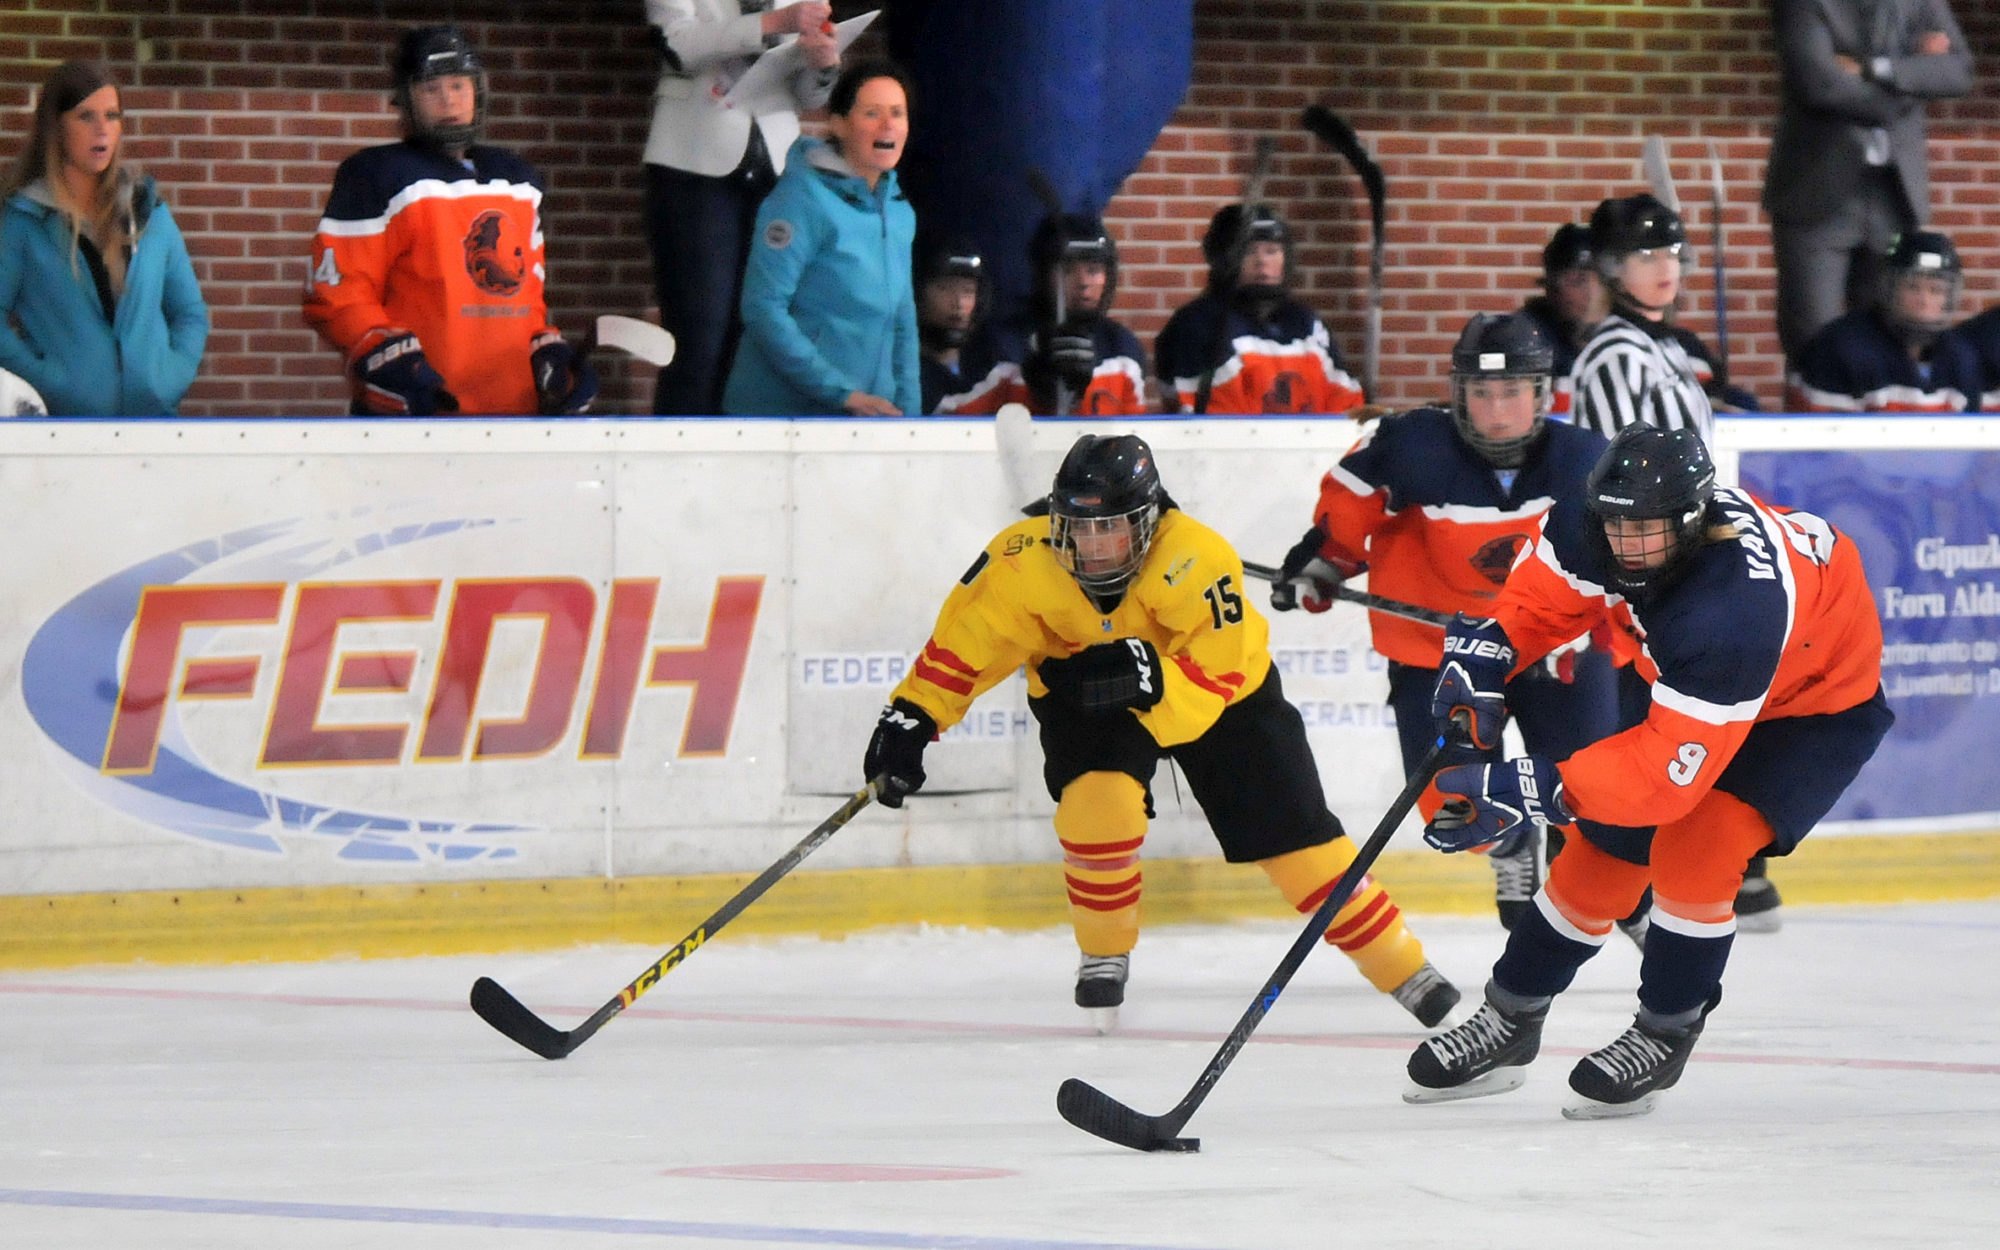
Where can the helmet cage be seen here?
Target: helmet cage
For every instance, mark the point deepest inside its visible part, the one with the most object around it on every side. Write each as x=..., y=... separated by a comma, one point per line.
x=1502, y=453
x=1494, y=348
x=1107, y=489
x=431, y=52
x=1651, y=474
x=1927, y=255
x=1076, y=536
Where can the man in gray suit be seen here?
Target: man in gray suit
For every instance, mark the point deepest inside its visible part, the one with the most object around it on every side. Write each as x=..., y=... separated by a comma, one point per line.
x=1848, y=170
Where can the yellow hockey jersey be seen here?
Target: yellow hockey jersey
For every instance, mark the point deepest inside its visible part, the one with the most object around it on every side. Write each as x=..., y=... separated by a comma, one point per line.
x=1018, y=606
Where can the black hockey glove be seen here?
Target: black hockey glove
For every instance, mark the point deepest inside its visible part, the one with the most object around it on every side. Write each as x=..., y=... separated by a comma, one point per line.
x=1107, y=677
x=1473, y=680
x=396, y=380
x=1489, y=803
x=1073, y=358
x=1307, y=579
x=896, y=752
x=564, y=382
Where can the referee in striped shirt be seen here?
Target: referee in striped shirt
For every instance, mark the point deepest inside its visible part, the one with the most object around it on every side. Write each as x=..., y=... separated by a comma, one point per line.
x=1632, y=369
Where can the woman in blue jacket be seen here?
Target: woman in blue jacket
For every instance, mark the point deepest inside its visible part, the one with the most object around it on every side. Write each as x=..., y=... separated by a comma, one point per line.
x=99, y=308
x=829, y=315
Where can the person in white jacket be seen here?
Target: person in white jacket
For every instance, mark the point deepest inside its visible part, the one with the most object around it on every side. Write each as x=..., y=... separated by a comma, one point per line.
x=709, y=164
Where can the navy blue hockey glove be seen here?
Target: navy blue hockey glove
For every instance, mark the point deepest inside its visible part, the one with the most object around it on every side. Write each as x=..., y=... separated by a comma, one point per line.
x=1307, y=579
x=1073, y=358
x=1107, y=677
x=396, y=380
x=1473, y=680
x=1487, y=803
x=564, y=382
x=896, y=751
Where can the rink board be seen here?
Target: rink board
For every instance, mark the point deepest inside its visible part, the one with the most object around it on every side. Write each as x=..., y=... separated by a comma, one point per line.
x=413, y=664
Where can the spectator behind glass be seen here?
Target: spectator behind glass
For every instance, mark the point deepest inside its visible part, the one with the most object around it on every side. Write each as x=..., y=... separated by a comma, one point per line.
x=102, y=313
x=709, y=165
x=426, y=272
x=1848, y=169
x=1895, y=355
x=829, y=314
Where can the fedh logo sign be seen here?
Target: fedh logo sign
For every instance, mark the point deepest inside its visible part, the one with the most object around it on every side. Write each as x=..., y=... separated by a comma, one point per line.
x=259, y=615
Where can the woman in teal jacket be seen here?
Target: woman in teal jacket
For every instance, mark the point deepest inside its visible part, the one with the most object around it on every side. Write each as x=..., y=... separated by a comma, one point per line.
x=829, y=314
x=99, y=307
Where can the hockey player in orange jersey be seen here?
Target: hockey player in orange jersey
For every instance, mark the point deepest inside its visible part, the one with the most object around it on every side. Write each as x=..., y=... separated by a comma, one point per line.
x=1139, y=643
x=1435, y=504
x=427, y=268
x=1764, y=652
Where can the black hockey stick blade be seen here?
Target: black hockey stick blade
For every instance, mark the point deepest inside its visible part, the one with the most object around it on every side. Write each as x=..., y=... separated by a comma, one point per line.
x=1337, y=134
x=512, y=1018
x=1101, y=1115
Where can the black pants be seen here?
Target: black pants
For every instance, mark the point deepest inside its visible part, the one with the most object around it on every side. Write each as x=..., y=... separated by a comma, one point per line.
x=699, y=230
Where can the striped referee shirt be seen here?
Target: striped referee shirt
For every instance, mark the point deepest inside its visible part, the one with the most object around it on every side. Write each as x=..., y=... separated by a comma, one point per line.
x=1632, y=371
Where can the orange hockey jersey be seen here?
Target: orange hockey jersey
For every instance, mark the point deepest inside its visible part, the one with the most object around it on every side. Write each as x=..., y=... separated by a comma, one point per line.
x=414, y=240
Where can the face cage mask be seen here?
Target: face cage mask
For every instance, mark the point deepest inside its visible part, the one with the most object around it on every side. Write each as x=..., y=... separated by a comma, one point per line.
x=1914, y=333
x=1501, y=453
x=1065, y=530
x=448, y=138
x=1682, y=538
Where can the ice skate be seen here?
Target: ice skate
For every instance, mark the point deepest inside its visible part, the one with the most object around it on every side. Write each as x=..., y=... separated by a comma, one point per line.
x=1100, y=988
x=1488, y=1054
x=1427, y=995
x=1758, y=907
x=1626, y=1077
x=1517, y=874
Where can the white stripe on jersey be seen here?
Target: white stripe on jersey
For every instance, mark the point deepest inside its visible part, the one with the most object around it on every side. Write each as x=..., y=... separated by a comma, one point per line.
x=435, y=188
x=1625, y=376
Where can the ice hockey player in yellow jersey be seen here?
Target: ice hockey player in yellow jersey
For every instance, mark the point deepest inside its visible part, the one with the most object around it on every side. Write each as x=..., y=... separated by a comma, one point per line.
x=1139, y=643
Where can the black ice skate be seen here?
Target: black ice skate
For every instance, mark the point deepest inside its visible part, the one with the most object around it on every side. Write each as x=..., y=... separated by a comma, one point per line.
x=1517, y=874
x=1757, y=902
x=1427, y=995
x=1488, y=1054
x=1626, y=1077
x=1100, y=988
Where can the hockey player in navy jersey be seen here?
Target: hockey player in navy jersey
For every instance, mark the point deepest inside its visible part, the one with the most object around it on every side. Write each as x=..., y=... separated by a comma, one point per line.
x=1436, y=504
x=952, y=293
x=1764, y=651
x=1895, y=354
x=1064, y=355
x=1981, y=333
x=1246, y=346
x=1634, y=368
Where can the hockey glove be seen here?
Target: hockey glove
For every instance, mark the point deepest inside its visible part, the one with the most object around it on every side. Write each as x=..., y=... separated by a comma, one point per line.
x=1307, y=578
x=1473, y=680
x=1487, y=803
x=396, y=380
x=1073, y=358
x=1106, y=677
x=564, y=382
x=896, y=752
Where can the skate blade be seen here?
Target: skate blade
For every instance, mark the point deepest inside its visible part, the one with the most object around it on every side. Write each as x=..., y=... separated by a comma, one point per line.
x=1498, y=1081
x=1103, y=1019
x=1581, y=1108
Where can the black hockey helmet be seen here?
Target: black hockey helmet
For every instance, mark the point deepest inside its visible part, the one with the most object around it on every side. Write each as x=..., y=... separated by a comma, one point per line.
x=427, y=52
x=1568, y=248
x=1226, y=239
x=954, y=256
x=1920, y=254
x=1492, y=347
x=1069, y=238
x=1636, y=223
x=1649, y=473
x=1107, y=485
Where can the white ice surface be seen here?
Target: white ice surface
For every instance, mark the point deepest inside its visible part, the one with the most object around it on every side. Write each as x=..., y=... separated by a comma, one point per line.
x=1847, y=1094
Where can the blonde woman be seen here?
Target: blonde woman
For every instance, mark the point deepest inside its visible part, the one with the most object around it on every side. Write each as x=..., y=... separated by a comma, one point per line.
x=102, y=313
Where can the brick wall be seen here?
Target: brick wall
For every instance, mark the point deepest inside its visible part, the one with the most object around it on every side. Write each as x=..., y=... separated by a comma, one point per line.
x=1493, y=121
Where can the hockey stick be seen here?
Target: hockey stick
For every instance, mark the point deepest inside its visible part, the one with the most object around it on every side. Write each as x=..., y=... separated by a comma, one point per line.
x=1014, y=434
x=1375, y=603
x=1045, y=191
x=509, y=1015
x=1253, y=199
x=1716, y=228
x=1337, y=134
x=640, y=339
x=1101, y=1115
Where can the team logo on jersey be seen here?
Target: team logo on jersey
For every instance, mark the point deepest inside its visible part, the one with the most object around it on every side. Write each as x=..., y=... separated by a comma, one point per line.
x=1286, y=393
x=495, y=268
x=1497, y=556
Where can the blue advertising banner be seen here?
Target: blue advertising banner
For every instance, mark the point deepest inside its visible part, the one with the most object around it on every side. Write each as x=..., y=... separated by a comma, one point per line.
x=1928, y=527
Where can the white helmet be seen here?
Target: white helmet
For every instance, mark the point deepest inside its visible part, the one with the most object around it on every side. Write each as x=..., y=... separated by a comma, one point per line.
x=18, y=399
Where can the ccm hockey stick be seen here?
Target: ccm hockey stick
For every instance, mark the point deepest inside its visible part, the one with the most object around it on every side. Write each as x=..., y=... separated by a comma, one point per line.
x=1337, y=134
x=509, y=1015
x=1376, y=603
x=1101, y=1115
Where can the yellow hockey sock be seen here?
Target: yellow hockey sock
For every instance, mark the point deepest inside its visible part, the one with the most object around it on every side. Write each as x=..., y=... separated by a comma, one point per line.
x=1369, y=928
x=1101, y=822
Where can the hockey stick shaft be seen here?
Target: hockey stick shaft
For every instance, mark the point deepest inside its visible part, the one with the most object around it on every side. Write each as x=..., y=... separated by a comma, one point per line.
x=513, y=1018
x=1052, y=204
x=1328, y=127
x=1377, y=603
x=1716, y=228
x=1101, y=1115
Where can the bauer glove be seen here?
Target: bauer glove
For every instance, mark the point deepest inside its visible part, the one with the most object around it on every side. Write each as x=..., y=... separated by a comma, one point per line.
x=1486, y=803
